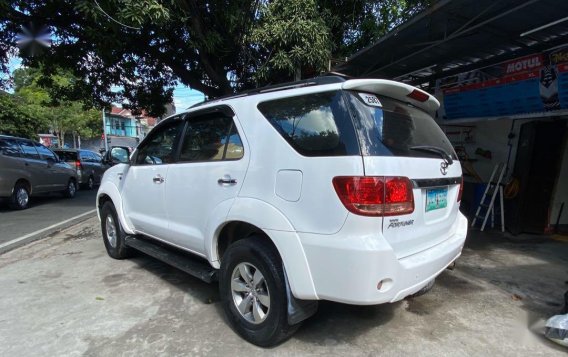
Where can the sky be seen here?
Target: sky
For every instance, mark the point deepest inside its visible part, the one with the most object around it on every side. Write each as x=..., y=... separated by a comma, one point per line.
x=184, y=97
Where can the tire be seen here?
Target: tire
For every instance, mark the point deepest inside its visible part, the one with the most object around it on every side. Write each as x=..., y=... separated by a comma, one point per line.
x=20, y=198
x=113, y=234
x=247, y=257
x=425, y=289
x=90, y=183
x=71, y=189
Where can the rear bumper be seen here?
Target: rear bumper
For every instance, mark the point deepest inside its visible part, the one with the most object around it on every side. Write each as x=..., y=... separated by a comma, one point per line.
x=347, y=268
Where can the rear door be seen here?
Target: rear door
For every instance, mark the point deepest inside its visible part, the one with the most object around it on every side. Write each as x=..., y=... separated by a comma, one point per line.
x=207, y=177
x=400, y=140
x=56, y=174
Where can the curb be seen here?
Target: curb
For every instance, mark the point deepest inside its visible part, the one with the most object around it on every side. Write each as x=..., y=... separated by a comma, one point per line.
x=45, y=232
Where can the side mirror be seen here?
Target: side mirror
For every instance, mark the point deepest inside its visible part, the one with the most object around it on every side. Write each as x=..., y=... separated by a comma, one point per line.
x=51, y=161
x=119, y=155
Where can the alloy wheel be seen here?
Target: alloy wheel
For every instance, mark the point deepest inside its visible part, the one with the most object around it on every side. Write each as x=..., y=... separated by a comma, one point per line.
x=111, y=231
x=22, y=197
x=250, y=293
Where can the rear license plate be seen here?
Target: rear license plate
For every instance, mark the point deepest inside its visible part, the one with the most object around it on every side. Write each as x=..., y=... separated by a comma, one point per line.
x=436, y=198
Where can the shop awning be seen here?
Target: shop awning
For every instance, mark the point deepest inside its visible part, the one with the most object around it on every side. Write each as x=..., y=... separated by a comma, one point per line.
x=456, y=36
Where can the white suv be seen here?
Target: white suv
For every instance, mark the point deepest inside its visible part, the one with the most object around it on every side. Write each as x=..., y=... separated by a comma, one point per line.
x=324, y=189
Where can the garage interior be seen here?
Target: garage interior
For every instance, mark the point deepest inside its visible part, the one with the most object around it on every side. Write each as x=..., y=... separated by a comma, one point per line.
x=500, y=72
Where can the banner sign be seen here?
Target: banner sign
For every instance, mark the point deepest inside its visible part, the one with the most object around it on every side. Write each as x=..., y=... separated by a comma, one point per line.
x=535, y=83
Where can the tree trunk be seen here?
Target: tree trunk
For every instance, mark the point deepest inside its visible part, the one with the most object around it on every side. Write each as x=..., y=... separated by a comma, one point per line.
x=298, y=73
x=74, y=140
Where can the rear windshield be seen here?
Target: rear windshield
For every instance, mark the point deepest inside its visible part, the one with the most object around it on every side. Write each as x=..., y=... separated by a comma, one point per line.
x=67, y=155
x=388, y=127
x=316, y=124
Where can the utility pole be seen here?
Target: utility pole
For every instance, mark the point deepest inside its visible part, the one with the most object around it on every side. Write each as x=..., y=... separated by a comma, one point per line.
x=105, y=132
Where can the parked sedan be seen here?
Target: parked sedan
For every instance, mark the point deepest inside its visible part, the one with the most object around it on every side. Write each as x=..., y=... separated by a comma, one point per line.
x=88, y=164
x=28, y=168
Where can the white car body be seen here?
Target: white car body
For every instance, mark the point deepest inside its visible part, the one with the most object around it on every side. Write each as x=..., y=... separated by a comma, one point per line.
x=327, y=251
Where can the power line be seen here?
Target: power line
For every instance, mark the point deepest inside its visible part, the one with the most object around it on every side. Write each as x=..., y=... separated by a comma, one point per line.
x=116, y=21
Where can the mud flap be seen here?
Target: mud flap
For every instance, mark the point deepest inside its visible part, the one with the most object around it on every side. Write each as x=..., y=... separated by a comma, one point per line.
x=298, y=310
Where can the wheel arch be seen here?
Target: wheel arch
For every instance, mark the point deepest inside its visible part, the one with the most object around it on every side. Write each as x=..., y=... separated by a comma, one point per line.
x=255, y=217
x=24, y=181
x=109, y=193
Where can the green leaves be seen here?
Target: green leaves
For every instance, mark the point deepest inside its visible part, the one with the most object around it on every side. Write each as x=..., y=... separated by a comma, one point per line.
x=294, y=34
x=18, y=119
x=146, y=47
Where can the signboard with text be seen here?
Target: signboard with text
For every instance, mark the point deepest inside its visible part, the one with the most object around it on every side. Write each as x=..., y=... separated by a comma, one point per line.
x=530, y=84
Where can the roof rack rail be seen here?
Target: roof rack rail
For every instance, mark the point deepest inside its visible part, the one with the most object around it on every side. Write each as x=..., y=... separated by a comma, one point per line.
x=278, y=87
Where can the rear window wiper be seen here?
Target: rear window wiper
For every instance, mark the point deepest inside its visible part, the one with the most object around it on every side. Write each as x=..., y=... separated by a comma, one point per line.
x=437, y=150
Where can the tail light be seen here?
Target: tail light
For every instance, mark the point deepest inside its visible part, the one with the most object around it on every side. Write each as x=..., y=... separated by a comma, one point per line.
x=418, y=95
x=460, y=191
x=375, y=195
x=78, y=165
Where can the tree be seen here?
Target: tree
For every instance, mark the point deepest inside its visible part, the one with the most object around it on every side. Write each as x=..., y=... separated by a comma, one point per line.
x=16, y=119
x=61, y=116
x=296, y=37
x=145, y=47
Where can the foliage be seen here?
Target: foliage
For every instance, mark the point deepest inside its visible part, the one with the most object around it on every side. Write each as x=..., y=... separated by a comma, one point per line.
x=16, y=119
x=136, y=50
x=45, y=111
x=295, y=35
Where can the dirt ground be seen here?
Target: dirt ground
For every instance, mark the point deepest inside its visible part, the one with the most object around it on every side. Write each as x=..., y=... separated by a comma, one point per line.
x=63, y=296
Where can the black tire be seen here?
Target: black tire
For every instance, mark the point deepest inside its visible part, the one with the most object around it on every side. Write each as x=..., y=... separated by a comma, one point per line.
x=424, y=290
x=261, y=255
x=71, y=189
x=116, y=248
x=20, y=198
x=90, y=183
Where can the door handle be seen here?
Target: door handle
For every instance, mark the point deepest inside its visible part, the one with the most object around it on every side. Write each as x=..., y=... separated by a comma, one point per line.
x=227, y=180
x=158, y=179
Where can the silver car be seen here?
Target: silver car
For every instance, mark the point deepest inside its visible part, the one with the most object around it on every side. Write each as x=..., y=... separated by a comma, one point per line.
x=28, y=168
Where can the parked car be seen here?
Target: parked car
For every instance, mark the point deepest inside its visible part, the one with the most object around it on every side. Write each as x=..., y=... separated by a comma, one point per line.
x=88, y=164
x=324, y=189
x=28, y=168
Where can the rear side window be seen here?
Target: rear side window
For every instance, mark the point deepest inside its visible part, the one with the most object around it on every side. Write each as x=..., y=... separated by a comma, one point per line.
x=315, y=124
x=67, y=155
x=389, y=127
x=9, y=148
x=211, y=138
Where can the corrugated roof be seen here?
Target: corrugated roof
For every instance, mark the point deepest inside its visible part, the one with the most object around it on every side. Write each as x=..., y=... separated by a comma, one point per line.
x=456, y=36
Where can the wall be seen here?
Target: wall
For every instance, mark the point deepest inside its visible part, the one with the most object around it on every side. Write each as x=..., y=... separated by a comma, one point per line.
x=493, y=136
x=561, y=192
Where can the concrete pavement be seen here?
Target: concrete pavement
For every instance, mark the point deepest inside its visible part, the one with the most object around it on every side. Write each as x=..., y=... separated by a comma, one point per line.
x=64, y=296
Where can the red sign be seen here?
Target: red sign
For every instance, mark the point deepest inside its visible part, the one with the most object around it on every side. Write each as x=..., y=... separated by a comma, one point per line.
x=523, y=64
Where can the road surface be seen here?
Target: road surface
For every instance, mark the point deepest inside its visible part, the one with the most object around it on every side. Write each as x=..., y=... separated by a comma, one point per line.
x=44, y=212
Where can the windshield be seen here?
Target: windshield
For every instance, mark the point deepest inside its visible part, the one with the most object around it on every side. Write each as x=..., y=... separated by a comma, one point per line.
x=388, y=127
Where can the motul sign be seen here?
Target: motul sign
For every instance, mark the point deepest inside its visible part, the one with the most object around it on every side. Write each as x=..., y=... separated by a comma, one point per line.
x=523, y=64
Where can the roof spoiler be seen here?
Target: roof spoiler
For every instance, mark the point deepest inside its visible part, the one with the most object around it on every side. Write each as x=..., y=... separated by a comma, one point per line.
x=396, y=90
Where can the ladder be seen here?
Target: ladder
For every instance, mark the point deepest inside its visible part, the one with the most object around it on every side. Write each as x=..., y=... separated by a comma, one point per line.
x=493, y=188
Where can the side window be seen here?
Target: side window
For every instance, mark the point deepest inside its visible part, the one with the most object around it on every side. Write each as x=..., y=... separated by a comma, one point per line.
x=235, y=148
x=95, y=157
x=211, y=138
x=29, y=150
x=44, y=152
x=86, y=156
x=158, y=149
x=316, y=124
x=9, y=147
